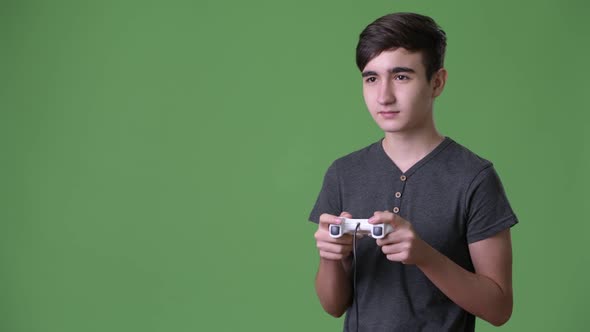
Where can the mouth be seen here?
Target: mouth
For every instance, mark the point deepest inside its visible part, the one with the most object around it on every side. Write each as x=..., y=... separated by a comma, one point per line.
x=389, y=114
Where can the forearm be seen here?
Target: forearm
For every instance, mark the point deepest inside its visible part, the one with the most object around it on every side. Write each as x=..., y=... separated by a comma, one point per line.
x=333, y=286
x=475, y=293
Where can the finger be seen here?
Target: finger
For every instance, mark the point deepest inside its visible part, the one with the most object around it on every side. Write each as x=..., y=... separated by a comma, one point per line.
x=388, y=217
x=398, y=235
x=395, y=248
x=334, y=248
x=327, y=219
x=399, y=257
x=382, y=217
x=324, y=236
x=331, y=256
x=397, y=221
x=346, y=215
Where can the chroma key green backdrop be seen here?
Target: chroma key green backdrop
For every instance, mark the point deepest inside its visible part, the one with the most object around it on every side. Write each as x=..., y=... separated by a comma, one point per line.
x=159, y=158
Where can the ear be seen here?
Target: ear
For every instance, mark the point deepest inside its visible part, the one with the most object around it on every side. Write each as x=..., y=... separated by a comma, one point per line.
x=439, y=79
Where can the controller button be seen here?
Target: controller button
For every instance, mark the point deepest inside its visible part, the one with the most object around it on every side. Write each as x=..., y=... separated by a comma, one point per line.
x=377, y=230
x=334, y=229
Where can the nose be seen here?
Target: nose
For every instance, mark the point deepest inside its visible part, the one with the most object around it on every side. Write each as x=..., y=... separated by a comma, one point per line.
x=386, y=94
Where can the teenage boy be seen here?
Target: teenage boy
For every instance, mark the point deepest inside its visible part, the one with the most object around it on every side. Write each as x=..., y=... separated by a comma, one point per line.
x=449, y=257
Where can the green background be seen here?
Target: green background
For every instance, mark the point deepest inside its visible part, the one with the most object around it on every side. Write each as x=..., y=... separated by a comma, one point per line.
x=159, y=158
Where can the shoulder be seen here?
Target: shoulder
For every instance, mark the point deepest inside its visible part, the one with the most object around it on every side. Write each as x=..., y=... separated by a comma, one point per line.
x=359, y=159
x=463, y=162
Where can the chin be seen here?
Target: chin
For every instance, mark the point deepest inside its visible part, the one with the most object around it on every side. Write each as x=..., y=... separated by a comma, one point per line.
x=391, y=128
x=392, y=125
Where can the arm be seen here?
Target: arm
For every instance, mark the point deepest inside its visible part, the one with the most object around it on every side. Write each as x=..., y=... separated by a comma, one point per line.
x=332, y=282
x=332, y=285
x=487, y=293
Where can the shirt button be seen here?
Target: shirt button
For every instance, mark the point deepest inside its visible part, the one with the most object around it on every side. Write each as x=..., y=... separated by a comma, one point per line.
x=403, y=178
x=398, y=194
x=395, y=209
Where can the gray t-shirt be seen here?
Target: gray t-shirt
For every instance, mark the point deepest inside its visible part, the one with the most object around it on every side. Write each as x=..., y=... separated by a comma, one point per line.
x=451, y=197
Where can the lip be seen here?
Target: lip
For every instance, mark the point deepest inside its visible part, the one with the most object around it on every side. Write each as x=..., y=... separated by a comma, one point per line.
x=389, y=114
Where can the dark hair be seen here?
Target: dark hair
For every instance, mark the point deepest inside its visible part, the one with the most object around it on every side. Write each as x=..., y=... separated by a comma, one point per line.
x=414, y=32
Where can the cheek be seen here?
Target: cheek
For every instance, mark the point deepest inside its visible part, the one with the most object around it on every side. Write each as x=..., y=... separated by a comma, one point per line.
x=418, y=98
x=365, y=93
x=368, y=99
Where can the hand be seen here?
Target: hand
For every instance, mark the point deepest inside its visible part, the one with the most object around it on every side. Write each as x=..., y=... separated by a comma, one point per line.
x=329, y=247
x=403, y=244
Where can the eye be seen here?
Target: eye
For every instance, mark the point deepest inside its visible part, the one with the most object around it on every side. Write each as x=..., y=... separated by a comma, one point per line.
x=371, y=79
x=401, y=78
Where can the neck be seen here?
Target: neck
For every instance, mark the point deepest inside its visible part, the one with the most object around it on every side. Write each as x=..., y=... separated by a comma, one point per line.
x=407, y=148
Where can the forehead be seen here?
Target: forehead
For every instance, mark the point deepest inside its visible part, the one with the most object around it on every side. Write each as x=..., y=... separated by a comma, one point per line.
x=399, y=57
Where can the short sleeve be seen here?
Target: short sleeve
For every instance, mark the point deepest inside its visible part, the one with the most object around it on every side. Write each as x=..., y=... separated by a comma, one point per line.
x=328, y=200
x=488, y=209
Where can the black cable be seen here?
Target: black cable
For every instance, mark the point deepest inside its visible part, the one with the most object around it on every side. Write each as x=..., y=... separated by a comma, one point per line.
x=356, y=302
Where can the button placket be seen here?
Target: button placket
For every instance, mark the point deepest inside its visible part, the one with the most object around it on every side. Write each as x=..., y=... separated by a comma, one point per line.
x=398, y=194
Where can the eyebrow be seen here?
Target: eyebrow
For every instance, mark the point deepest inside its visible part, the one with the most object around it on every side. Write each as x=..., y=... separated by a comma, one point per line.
x=394, y=70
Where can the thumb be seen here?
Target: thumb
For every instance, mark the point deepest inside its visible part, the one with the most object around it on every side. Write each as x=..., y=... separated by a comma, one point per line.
x=397, y=220
x=386, y=217
x=346, y=215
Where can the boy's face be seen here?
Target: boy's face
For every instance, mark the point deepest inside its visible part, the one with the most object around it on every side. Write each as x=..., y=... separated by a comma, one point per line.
x=397, y=93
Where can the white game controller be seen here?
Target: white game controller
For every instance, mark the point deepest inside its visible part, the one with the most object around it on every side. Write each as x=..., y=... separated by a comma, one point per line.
x=377, y=231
